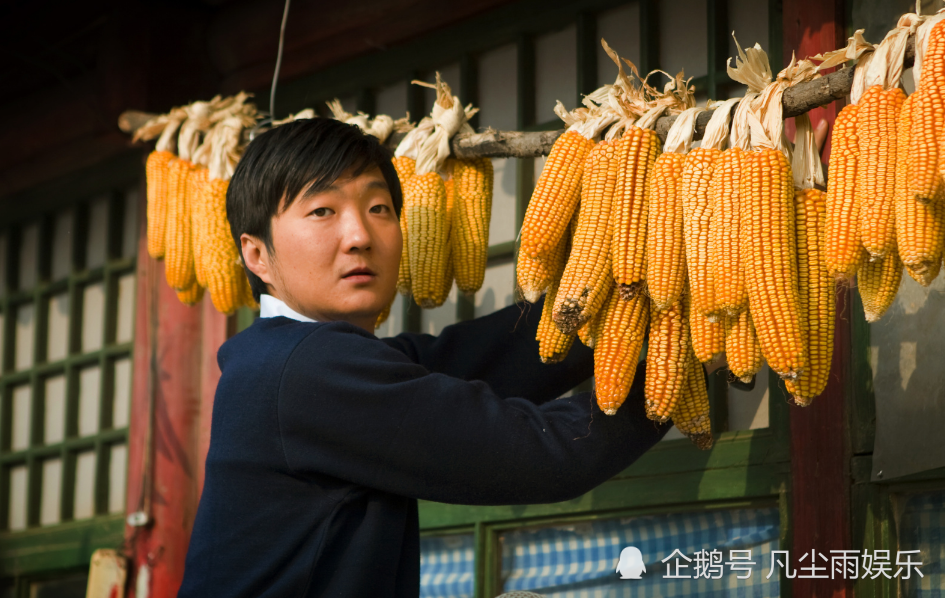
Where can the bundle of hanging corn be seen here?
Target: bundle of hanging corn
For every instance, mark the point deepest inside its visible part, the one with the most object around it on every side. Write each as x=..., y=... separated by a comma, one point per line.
x=447, y=205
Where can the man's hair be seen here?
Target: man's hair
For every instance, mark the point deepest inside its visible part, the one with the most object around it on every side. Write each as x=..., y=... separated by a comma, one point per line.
x=285, y=161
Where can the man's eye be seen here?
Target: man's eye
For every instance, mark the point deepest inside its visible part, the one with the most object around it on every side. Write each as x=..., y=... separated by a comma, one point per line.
x=321, y=211
x=380, y=209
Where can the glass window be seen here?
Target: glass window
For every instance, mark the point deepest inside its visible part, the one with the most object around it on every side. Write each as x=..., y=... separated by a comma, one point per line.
x=555, y=73
x=447, y=566
x=922, y=528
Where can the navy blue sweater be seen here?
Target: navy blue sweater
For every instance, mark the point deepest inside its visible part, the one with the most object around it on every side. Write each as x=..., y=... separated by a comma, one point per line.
x=323, y=438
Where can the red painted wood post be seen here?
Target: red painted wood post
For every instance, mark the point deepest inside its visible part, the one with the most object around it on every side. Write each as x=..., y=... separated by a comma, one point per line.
x=820, y=445
x=165, y=456
x=215, y=331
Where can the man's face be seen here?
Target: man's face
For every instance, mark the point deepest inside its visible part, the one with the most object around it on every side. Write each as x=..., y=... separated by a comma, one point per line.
x=337, y=251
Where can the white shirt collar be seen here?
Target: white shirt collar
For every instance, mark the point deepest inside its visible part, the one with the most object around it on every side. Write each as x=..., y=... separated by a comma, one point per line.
x=270, y=307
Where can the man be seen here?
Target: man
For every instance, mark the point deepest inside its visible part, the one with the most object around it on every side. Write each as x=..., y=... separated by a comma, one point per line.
x=324, y=437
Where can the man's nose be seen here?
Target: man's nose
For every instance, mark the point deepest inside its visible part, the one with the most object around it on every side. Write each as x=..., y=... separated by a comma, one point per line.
x=357, y=235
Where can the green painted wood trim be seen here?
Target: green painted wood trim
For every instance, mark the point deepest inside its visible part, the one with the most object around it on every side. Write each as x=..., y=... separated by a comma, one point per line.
x=63, y=546
x=656, y=492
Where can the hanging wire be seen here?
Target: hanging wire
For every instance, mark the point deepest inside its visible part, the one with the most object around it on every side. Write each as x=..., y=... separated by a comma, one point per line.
x=275, y=75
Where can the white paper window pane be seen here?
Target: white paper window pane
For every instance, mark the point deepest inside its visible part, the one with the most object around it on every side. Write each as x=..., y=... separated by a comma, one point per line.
x=555, y=73
x=502, y=221
x=18, y=483
x=448, y=73
x=117, y=466
x=498, y=89
x=89, y=400
x=433, y=321
x=125, y=326
x=22, y=417
x=62, y=245
x=749, y=20
x=57, y=333
x=392, y=101
x=29, y=256
x=621, y=28
x=24, y=336
x=121, y=402
x=55, y=410
x=683, y=39
x=394, y=324
x=748, y=410
x=51, y=495
x=673, y=434
x=3, y=263
x=497, y=289
x=97, y=234
x=93, y=309
x=84, y=506
x=129, y=235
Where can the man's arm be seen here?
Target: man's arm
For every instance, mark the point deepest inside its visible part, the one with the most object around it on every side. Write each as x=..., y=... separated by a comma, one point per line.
x=356, y=409
x=500, y=349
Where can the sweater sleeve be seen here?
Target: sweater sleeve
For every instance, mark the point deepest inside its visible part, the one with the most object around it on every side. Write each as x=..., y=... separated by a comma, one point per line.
x=499, y=349
x=356, y=409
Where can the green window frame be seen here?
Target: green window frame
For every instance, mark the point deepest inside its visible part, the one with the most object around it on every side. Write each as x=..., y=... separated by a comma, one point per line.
x=45, y=552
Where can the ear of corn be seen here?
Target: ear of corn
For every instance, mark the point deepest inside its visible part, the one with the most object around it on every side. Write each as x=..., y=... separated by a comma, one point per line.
x=818, y=300
x=668, y=348
x=382, y=317
x=876, y=185
x=191, y=295
x=470, y=228
x=405, y=167
x=223, y=272
x=665, y=249
x=555, y=197
x=587, y=276
x=618, y=349
x=742, y=350
x=708, y=337
x=924, y=169
x=197, y=189
x=246, y=293
x=553, y=345
x=636, y=154
x=590, y=332
x=769, y=257
x=428, y=234
x=697, y=213
x=178, y=242
x=878, y=282
x=157, y=173
x=843, y=251
x=535, y=277
x=725, y=267
x=691, y=415
x=920, y=227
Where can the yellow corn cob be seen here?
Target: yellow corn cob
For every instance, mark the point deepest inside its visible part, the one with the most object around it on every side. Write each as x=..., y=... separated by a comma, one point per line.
x=708, y=337
x=589, y=333
x=587, y=276
x=876, y=165
x=538, y=277
x=727, y=271
x=770, y=260
x=668, y=349
x=178, y=240
x=553, y=345
x=157, y=173
x=818, y=300
x=191, y=295
x=878, y=283
x=555, y=196
x=636, y=154
x=742, y=351
x=382, y=317
x=428, y=235
x=665, y=248
x=928, y=119
x=691, y=415
x=843, y=252
x=405, y=168
x=697, y=213
x=197, y=188
x=223, y=271
x=920, y=227
x=470, y=228
x=618, y=349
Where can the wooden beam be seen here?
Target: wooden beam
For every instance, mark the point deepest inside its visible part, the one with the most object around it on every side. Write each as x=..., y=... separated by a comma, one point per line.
x=797, y=100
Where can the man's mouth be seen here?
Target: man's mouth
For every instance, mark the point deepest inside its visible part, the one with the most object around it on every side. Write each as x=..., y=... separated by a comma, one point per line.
x=360, y=274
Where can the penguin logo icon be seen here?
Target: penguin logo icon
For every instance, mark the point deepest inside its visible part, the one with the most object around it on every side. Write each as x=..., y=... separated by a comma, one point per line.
x=630, y=565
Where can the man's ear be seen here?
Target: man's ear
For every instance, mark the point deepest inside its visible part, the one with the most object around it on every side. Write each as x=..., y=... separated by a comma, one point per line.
x=256, y=257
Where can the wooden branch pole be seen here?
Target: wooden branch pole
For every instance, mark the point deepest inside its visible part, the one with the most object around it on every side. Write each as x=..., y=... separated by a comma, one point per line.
x=518, y=144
